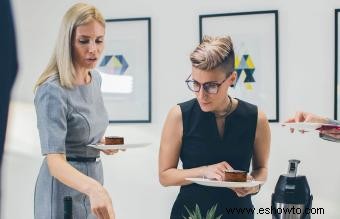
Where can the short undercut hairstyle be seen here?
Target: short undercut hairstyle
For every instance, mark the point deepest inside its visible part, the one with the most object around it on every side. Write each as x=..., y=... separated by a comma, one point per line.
x=214, y=52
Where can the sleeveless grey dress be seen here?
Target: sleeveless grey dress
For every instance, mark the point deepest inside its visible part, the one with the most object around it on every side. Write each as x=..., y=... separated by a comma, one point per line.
x=68, y=120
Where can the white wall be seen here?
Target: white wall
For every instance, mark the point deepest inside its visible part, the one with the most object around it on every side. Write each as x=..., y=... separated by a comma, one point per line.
x=306, y=41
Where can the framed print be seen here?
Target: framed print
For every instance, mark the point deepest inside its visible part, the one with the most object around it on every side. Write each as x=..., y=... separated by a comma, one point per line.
x=255, y=40
x=337, y=61
x=125, y=67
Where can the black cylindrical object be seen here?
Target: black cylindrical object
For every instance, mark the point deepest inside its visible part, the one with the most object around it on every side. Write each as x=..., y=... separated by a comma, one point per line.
x=68, y=214
x=292, y=197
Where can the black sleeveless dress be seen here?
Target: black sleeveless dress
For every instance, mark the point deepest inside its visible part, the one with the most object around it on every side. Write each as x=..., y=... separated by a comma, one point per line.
x=202, y=145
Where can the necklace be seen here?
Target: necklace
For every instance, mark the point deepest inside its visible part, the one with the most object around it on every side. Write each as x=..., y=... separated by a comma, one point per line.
x=228, y=111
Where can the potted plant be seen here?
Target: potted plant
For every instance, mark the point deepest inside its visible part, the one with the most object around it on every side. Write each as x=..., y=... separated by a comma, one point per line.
x=196, y=213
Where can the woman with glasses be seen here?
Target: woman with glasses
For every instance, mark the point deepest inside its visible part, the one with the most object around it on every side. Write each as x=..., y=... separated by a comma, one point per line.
x=212, y=133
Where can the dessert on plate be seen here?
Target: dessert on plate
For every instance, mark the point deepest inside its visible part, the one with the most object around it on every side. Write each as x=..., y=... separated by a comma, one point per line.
x=113, y=140
x=235, y=176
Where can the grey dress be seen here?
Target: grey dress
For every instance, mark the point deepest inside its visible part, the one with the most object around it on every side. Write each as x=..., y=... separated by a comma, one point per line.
x=68, y=120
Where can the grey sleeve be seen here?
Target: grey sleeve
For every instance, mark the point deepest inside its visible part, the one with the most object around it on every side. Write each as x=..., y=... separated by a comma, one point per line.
x=334, y=122
x=51, y=109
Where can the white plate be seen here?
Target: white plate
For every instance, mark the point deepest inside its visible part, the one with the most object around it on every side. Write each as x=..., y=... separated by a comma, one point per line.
x=118, y=146
x=214, y=183
x=306, y=126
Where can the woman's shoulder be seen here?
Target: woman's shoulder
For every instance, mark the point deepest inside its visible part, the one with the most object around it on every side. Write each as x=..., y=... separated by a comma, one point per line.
x=246, y=109
x=51, y=87
x=252, y=109
x=187, y=104
x=175, y=113
x=244, y=106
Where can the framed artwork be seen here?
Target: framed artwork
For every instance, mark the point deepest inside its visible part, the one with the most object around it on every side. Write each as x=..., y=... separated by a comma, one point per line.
x=255, y=39
x=125, y=67
x=337, y=62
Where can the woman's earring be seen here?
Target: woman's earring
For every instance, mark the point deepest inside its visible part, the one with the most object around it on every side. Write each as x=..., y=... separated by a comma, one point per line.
x=233, y=84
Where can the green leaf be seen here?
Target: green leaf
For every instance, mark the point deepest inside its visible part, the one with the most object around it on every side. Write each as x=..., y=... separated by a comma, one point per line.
x=211, y=213
x=196, y=213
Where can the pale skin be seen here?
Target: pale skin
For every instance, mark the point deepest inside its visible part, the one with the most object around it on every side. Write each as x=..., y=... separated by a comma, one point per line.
x=87, y=45
x=301, y=116
x=170, y=146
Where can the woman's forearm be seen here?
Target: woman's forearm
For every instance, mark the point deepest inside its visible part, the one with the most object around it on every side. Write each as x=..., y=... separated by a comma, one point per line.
x=176, y=177
x=68, y=175
x=260, y=174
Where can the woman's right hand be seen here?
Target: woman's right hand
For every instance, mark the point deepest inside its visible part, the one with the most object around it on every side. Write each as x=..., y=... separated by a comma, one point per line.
x=305, y=117
x=216, y=171
x=101, y=203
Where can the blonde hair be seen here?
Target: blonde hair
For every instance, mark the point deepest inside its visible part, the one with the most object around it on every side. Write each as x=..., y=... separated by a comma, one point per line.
x=214, y=52
x=60, y=63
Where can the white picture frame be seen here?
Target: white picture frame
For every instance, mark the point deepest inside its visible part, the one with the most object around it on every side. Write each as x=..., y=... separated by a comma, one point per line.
x=125, y=67
x=255, y=39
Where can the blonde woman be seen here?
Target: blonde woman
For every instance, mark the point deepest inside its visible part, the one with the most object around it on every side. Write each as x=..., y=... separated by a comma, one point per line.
x=71, y=115
x=212, y=133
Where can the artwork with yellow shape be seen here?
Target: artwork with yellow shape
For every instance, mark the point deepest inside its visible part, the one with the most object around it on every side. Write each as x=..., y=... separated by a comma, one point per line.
x=245, y=69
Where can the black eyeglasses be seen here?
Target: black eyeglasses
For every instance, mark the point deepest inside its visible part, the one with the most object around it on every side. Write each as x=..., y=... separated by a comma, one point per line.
x=211, y=87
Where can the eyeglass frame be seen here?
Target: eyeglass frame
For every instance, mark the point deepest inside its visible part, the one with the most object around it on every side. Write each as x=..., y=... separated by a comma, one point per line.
x=187, y=81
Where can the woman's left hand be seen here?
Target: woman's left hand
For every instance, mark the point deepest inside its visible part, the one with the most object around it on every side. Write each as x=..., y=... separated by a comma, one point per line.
x=110, y=151
x=241, y=192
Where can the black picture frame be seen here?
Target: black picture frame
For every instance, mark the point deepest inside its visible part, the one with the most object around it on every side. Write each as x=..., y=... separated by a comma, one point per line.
x=125, y=67
x=336, y=65
x=235, y=24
